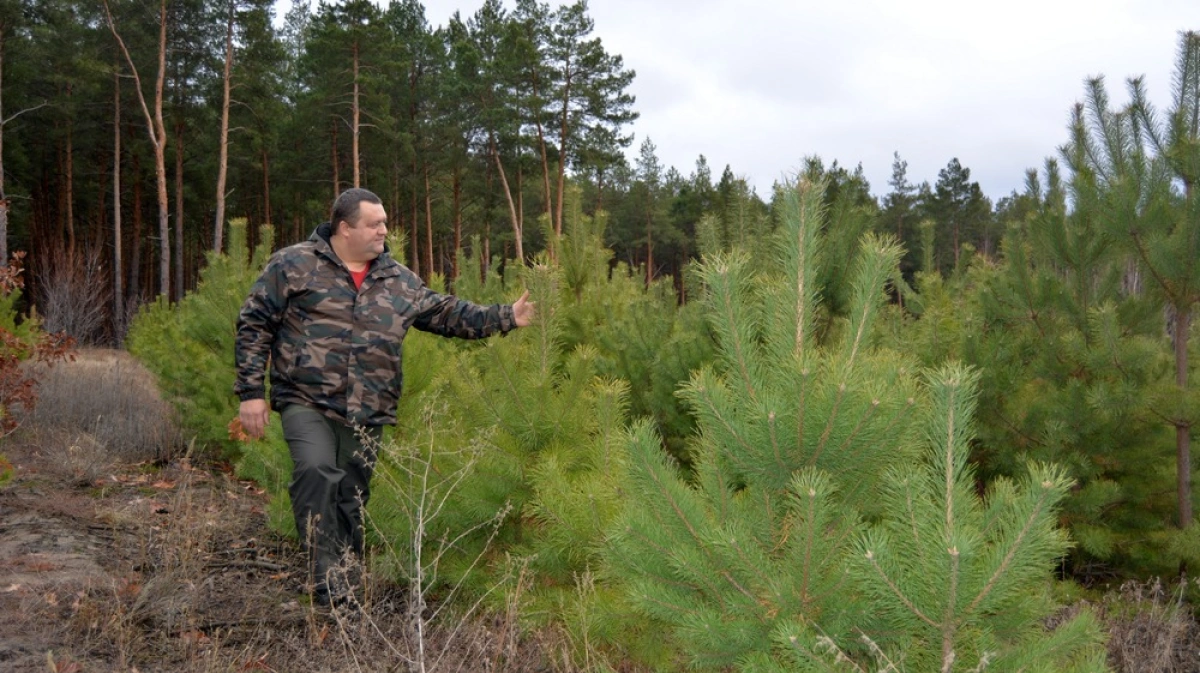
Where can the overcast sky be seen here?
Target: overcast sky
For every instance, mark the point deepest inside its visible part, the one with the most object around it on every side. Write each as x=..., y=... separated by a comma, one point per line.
x=760, y=84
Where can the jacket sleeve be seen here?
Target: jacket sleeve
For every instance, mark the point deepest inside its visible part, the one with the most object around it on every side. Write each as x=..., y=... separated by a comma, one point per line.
x=257, y=326
x=450, y=316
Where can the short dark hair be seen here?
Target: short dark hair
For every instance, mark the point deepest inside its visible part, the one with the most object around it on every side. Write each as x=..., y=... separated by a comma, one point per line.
x=346, y=206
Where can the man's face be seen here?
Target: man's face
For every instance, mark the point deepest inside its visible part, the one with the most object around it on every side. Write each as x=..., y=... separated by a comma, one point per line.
x=364, y=239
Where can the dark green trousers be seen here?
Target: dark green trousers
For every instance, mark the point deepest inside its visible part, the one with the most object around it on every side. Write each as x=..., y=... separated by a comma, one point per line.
x=331, y=476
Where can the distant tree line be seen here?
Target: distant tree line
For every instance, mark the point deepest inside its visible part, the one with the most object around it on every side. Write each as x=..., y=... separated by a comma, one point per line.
x=130, y=132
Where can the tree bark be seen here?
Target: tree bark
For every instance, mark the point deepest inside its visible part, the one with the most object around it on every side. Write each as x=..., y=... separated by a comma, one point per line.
x=414, y=238
x=562, y=151
x=266, y=196
x=541, y=136
x=512, y=208
x=70, y=176
x=354, y=130
x=179, y=261
x=117, y=269
x=158, y=134
x=486, y=260
x=456, y=195
x=135, y=256
x=223, y=141
x=1183, y=451
x=334, y=151
x=649, y=250
x=3, y=195
x=428, y=223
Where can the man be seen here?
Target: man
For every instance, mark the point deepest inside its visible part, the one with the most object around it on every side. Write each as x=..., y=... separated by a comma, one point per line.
x=330, y=315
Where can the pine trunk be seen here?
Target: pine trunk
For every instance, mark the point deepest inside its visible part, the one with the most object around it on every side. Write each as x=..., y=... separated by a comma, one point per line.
x=537, y=116
x=395, y=219
x=599, y=192
x=354, y=113
x=266, y=195
x=1183, y=450
x=117, y=269
x=649, y=253
x=414, y=238
x=57, y=236
x=223, y=141
x=956, y=246
x=135, y=256
x=456, y=190
x=487, y=231
x=508, y=197
x=428, y=224
x=178, y=289
x=3, y=196
x=333, y=149
x=160, y=158
x=547, y=194
x=70, y=175
x=562, y=154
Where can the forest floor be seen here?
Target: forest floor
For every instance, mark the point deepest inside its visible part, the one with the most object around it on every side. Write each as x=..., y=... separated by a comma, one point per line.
x=118, y=555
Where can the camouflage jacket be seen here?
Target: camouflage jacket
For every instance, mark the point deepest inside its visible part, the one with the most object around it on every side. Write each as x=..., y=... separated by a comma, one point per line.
x=337, y=349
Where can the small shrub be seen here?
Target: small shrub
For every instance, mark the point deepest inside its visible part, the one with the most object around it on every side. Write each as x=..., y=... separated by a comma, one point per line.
x=74, y=294
x=20, y=342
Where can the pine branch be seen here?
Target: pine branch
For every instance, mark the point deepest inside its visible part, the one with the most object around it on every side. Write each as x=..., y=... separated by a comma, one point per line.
x=833, y=414
x=1034, y=516
x=870, y=556
x=681, y=517
x=727, y=310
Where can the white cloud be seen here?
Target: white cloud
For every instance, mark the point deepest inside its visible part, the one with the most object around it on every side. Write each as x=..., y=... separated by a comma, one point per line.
x=759, y=84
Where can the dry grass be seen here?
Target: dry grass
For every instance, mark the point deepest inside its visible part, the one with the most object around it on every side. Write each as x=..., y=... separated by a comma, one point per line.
x=1151, y=628
x=106, y=406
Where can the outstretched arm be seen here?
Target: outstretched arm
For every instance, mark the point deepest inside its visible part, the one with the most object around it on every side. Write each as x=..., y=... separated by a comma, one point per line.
x=448, y=315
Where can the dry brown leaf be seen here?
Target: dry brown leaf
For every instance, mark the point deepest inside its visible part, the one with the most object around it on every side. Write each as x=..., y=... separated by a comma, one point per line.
x=236, y=432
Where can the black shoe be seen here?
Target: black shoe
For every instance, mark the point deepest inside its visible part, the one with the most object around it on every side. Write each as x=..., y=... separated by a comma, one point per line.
x=343, y=600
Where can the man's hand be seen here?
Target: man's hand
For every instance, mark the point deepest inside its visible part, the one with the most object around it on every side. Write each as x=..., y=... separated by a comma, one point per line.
x=523, y=311
x=254, y=415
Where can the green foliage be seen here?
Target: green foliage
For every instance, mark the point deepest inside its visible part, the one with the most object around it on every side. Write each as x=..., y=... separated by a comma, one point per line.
x=832, y=500
x=538, y=419
x=641, y=334
x=1127, y=167
x=189, y=346
x=1074, y=371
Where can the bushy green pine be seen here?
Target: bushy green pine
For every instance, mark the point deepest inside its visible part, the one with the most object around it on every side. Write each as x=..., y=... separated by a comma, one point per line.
x=787, y=549
x=189, y=346
x=189, y=349
x=1070, y=363
x=538, y=419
